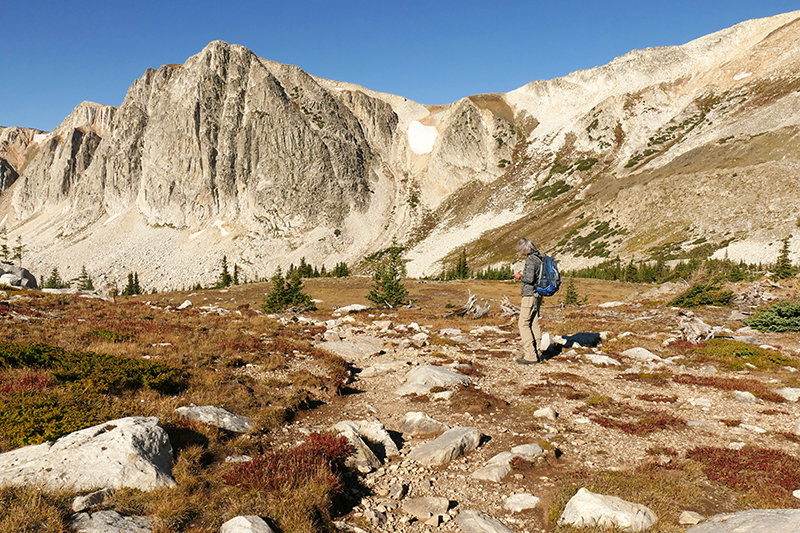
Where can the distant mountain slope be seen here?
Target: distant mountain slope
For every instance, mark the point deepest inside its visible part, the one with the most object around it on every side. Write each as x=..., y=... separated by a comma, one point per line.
x=660, y=152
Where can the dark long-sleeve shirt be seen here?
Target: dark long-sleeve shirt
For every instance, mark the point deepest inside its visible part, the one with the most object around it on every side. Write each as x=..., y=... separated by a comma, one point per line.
x=530, y=275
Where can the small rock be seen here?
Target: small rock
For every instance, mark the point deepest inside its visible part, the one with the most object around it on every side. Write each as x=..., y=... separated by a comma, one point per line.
x=494, y=473
x=477, y=522
x=110, y=521
x=82, y=503
x=450, y=445
x=520, y=502
x=420, y=380
x=796, y=428
x=425, y=507
x=791, y=394
x=690, y=518
x=642, y=354
x=215, y=416
x=246, y=524
x=529, y=450
x=754, y=429
x=796, y=494
x=744, y=397
x=185, y=305
x=547, y=412
x=752, y=521
x=331, y=336
x=601, y=359
x=417, y=423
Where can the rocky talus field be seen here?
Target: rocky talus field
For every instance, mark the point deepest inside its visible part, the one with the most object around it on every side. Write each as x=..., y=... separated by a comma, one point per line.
x=448, y=431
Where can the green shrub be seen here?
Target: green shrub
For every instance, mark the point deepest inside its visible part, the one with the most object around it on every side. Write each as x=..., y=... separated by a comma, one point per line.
x=734, y=354
x=703, y=295
x=779, y=316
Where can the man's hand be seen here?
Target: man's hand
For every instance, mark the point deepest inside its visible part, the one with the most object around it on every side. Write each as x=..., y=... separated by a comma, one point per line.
x=517, y=275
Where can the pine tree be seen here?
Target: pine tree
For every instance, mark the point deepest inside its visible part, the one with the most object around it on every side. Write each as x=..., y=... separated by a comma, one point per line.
x=462, y=269
x=783, y=266
x=235, y=274
x=388, y=289
x=570, y=293
x=85, y=281
x=286, y=294
x=5, y=251
x=225, y=277
x=133, y=286
x=55, y=281
x=19, y=250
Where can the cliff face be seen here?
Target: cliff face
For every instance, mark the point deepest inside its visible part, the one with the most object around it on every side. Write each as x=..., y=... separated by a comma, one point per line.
x=665, y=148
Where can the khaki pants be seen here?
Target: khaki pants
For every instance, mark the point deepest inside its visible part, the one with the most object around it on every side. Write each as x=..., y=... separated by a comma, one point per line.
x=529, y=329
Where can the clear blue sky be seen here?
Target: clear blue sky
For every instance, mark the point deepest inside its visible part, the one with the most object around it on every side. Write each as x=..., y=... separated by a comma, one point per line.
x=57, y=54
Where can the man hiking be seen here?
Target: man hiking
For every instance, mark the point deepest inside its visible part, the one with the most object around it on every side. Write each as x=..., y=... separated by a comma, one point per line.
x=529, y=330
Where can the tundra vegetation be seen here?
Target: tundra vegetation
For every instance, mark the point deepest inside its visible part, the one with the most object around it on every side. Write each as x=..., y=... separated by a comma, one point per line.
x=69, y=362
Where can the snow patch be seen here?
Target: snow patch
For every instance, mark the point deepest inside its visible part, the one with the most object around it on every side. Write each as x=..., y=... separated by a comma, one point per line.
x=421, y=137
x=39, y=137
x=112, y=217
x=742, y=75
x=3, y=222
x=196, y=234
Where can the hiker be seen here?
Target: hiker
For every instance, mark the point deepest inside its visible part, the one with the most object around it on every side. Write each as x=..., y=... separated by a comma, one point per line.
x=529, y=331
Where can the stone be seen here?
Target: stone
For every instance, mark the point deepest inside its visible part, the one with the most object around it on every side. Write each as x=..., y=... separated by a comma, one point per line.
x=599, y=359
x=421, y=379
x=383, y=324
x=752, y=521
x=354, y=349
x=744, y=397
x=494, y=473
x=690, y=518
x=378, y=439
x=546, y=412
x=528, y=450
x=363, y=458
x=15, y=276
x=331, y=336
x=587, y=509
x=130, y=452
x=417, y=423
x=185, y=305
x=642, y=354
x=451, y=444
x=791, y=394
x=692, y=328
x=754, y=429
x=83, y=503
x=383, y=367
x=352, y=308
x=425, y=507
x=246, y=524
x=796, y=428
x=520, y=502
x=110, y=522
x=216, y=416
x=471, y=521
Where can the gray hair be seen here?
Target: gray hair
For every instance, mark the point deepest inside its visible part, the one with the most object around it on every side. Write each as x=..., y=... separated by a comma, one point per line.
x=526, y=246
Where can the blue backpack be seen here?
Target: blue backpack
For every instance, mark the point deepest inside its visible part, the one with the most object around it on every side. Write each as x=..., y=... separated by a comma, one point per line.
x=549, y=277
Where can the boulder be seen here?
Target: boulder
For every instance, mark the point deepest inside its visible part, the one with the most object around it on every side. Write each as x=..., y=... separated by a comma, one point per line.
x=374, y=433
x=642, y=354
x=93, y=499
x=246, y=524
x=426, y=507
x=450, y=445
x=363, y=458
x=358, y=348
x=421, y=379
x=477, y=522
x=791, y=394
x=417, y=423
x=110, y=522
x=752, y=521
x=15, y=276
x=130, y=452
x=216, y=416
x=587, y=509
x=494, y=473
x=520, y=502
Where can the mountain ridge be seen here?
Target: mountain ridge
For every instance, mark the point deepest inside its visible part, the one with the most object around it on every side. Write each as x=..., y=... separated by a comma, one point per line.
x=231, y=154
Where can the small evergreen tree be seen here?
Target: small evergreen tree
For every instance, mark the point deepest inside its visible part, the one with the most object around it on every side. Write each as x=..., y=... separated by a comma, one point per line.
x=85, y=281
x=225, y=279
x=5, y=251
x=571, y=295
x=783, y=266
x=286, y=294
x=341, y=270
x=462, y=268
x=133, y=286
x=235, y=274
x=388, y=289
x=55, y=281
x=19, y=250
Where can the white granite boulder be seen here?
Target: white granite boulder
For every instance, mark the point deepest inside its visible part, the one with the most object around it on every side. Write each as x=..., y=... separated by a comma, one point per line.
x=587, y=509
x=246, y=524
x=130, y=452
x=110, y=522
x=752, y=521
x=423, y=378
x=417, y=423
x=450, y=445
x=477, y=522
x=216, y=416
